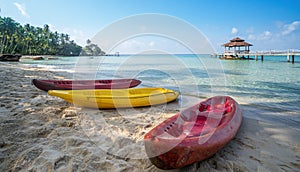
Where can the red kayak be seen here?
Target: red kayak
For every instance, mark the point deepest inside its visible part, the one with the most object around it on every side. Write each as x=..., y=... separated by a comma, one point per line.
x=194, y=134
x=84, y=84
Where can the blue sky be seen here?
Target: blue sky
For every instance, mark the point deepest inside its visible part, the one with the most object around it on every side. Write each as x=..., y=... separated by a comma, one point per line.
x=265, y=24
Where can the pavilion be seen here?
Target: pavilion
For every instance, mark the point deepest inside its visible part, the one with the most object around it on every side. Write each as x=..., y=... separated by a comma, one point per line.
x=233, y=48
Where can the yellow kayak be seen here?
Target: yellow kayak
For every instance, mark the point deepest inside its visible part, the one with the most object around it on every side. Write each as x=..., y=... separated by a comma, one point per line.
x=116, y=98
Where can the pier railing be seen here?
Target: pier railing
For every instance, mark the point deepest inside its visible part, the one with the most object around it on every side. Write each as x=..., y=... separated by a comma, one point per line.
x=276, y=52
x=290, y=54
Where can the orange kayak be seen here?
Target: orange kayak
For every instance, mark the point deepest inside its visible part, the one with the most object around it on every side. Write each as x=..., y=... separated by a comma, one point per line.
x=194, y=134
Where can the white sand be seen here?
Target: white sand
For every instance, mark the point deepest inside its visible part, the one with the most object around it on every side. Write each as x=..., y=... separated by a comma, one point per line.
x=44, y=133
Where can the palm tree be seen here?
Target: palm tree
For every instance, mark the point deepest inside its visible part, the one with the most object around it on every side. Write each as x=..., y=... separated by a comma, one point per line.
x=88, y=42
x=8, y=27
x=14, y=38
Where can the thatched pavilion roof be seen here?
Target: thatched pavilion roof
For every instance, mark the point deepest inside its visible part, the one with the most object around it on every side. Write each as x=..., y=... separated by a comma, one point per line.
x=237, y=42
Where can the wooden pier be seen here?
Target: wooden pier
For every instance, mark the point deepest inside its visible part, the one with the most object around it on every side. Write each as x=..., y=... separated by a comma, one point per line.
x=289, y=54
x=238, y=49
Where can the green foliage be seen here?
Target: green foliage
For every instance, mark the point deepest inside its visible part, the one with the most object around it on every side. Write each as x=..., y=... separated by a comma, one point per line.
x=92, y=50
x=30, y=40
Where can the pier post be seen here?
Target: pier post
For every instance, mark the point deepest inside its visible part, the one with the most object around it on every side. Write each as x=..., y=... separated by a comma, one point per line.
x=262, y=57
x=288, y=56
x=256, y=56
x=293, y=58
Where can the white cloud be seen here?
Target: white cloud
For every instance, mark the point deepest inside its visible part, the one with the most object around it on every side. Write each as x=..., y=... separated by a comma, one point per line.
x=152, y=43
x=22, y=9
x=251, y=37
x=234, y=30
x=77, y=35
x=266, y=35
x=132, y=46
x=289, y=28
x=149, y=45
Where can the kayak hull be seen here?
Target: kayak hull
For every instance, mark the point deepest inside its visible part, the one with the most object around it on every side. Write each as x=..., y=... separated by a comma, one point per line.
x=194, y=134
x=116, y=98
x=47, y=85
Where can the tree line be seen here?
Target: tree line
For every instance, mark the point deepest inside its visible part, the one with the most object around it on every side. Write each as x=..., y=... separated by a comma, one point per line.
x=30, y=40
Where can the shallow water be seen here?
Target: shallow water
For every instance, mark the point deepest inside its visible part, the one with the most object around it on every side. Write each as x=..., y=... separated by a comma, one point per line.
x=267, y=90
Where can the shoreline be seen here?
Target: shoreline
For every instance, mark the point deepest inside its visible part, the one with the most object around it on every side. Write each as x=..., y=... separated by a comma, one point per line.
x=39, y=57
x=41, y=132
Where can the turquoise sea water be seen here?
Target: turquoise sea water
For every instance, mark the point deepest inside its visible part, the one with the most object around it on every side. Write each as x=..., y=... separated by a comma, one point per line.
x=267, y=90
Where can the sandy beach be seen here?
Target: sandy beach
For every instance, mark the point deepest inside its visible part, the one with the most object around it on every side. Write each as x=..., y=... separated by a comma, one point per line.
x=44, y=133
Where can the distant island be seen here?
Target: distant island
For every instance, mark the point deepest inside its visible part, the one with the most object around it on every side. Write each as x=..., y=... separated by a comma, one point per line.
x=30, y=40
x=91, y=50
